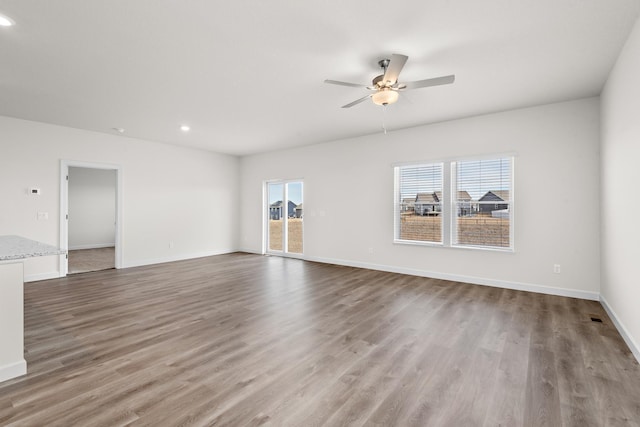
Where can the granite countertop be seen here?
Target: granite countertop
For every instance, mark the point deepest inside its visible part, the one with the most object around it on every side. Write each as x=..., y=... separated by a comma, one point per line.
x=16, y=247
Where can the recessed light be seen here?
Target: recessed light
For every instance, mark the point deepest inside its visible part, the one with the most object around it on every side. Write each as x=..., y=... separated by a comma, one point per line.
x=5, y=21
x=185, y=128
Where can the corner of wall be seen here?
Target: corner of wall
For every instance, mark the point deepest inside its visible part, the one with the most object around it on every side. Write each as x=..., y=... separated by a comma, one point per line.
x=626, y=336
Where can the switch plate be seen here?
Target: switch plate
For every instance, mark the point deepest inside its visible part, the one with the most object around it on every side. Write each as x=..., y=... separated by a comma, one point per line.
x=556, y=268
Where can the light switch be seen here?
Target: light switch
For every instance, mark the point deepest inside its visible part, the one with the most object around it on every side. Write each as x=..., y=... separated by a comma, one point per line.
x=43, y=216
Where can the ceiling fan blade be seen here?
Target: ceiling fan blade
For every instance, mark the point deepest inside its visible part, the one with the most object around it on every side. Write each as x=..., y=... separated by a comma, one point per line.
x=444, y=80
x=395, y=66
x=356, y=102
x=339, y=83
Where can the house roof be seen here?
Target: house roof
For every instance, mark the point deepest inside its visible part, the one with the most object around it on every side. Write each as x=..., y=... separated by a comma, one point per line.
x=429, y=198
x=143, y=66
x=462, y=195
x=497, y=195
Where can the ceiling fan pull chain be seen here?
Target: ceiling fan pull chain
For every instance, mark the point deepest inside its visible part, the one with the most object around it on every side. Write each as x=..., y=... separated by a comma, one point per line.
x=384, y=127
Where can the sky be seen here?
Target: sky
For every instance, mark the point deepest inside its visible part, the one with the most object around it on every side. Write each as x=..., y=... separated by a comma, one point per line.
x=295, y=192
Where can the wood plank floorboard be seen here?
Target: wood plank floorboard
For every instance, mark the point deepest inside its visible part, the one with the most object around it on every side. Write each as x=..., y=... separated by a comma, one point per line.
x=247, y=340
x=85, y=260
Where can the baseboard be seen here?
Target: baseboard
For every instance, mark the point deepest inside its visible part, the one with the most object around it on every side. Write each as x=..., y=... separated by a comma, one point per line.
x=92, y=246
x=173, y=258
x=626, y=336
x=41, y=276
x=541, y=289
x=249, y=251
x=13, y=370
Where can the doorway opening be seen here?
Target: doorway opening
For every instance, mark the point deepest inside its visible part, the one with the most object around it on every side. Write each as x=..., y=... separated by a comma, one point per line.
x=284, y=217
x=90, y=217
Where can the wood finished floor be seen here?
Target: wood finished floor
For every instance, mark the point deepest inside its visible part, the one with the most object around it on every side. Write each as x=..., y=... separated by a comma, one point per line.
x=85, y=260
x=241, y=339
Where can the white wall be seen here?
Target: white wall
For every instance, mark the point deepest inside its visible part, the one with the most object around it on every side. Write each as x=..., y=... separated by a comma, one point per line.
x=170, y=194
x=351, y=182
x=92, y=208
x=620, y=187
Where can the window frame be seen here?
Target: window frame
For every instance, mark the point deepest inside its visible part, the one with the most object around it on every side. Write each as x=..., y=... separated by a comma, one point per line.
x=398, y=202
x=449, y=190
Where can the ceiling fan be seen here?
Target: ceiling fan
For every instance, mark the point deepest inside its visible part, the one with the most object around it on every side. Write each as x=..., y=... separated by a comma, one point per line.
x=385, y=87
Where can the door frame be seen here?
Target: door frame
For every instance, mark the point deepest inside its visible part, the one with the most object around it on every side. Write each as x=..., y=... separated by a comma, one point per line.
x=64, y=209
x=285, y=226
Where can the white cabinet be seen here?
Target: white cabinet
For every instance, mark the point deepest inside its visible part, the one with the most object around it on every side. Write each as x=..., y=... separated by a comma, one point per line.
x=12, y=363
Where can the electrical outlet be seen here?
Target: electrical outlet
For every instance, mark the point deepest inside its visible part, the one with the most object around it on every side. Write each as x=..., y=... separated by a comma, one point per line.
x=43, y=216
x=370, y=250
x=556, y=268
x=170, y=245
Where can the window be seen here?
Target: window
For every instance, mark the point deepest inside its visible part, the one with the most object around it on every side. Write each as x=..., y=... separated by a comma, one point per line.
x=482, y=203
x=462, y=203
x=419, y=217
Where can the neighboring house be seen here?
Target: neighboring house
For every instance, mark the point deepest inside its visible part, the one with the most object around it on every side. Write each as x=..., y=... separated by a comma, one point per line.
x=496, y=199
x=299, y=211
x=427, y=204
x=407, y=205
x=275, y=210
x=463, y=202
x=431, y=203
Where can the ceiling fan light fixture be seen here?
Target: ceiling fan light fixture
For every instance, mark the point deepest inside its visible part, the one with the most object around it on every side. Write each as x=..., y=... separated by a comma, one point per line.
x=384, y=97
x=5, y=21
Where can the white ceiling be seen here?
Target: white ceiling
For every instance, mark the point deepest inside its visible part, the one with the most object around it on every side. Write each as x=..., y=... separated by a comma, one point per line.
x=247, y=76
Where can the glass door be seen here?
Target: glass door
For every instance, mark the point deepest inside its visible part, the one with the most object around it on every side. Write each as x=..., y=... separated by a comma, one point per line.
x=285, y=218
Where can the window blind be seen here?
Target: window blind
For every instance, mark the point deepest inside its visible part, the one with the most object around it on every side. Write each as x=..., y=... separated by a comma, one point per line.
x=482, y=203
x=419, y=204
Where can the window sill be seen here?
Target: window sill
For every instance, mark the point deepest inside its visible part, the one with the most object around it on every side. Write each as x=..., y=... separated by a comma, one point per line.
x=442, y=245
x=483, y=248
x=418, y=243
